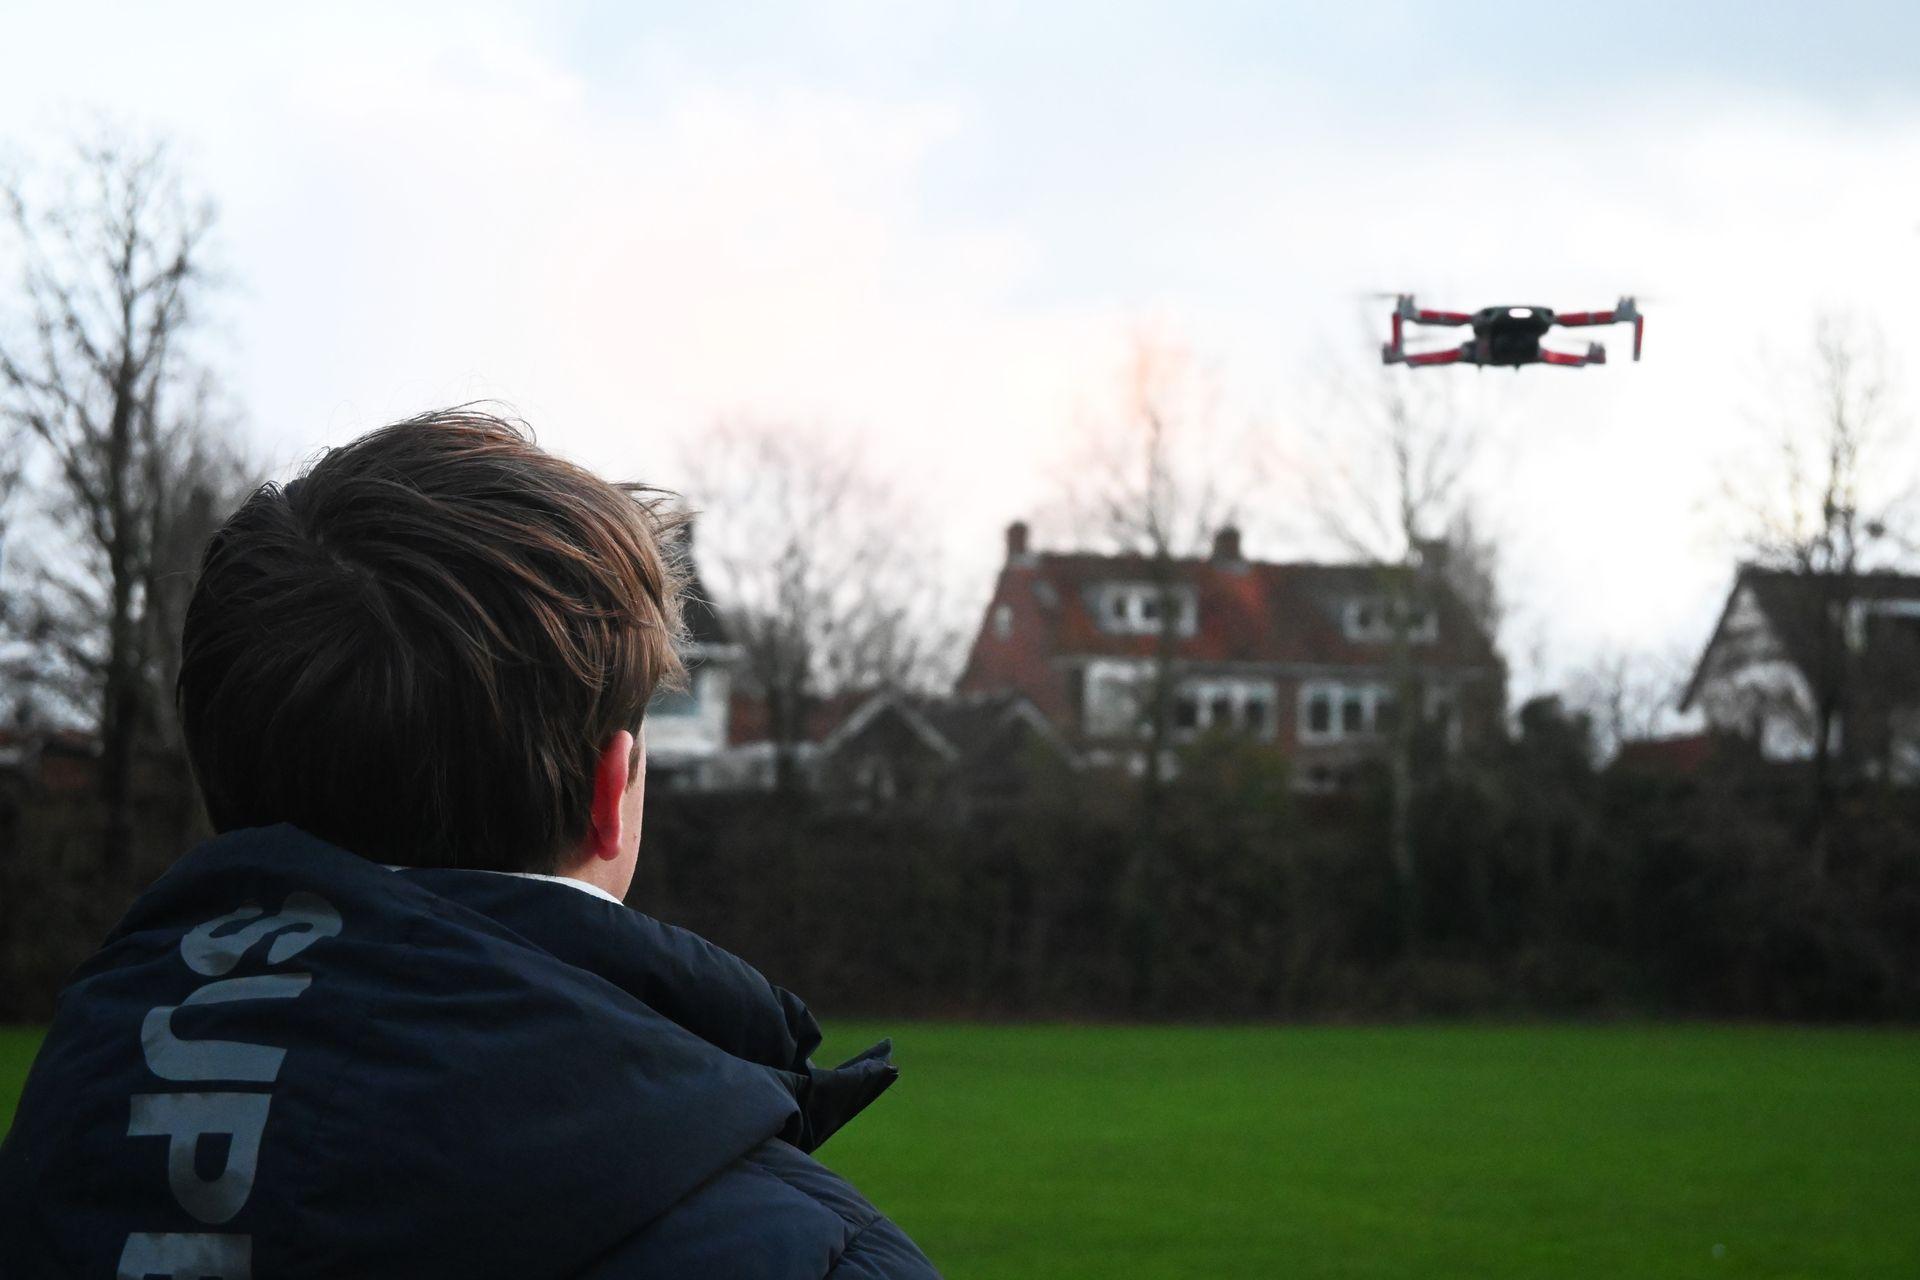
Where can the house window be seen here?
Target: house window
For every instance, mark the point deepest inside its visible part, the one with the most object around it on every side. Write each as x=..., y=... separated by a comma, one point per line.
x=1114, y=697
x=1320, y=713
x=1003, y=620
x=1142, y=608
x=1371, y=618
x=1332, y=710
x=1224, y=702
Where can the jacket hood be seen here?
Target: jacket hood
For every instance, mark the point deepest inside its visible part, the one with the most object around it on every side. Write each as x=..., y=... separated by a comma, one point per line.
x=470, y=1073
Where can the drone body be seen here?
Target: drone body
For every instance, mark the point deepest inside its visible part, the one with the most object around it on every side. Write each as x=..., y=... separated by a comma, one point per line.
x=1507, y=337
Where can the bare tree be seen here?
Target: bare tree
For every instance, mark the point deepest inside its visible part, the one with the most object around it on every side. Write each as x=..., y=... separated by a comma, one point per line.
x=11, y=449
x=1627, y=695
x=94, y=374
x=822, y=573
x=1393, y=456
x=1153, y=479
x=1828, y=511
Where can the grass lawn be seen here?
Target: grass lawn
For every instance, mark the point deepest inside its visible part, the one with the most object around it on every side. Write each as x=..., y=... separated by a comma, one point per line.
x=1620, y=1153
x=16, y=1055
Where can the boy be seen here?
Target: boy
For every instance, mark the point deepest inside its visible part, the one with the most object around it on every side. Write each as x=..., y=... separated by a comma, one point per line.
x=394, y=1020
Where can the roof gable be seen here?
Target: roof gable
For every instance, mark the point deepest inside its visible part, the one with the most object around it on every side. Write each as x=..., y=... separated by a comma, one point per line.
x=1793, y=608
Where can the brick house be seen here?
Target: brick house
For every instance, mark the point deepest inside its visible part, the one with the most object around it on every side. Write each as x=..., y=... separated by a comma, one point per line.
x=1296, y=655
x=690, y=730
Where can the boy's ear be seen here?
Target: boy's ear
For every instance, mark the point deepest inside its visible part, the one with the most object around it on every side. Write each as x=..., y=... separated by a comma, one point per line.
x=612, y=773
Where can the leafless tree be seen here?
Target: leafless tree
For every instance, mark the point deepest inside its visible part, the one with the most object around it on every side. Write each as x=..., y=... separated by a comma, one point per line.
x=96, y=377
x=1153, y=478
x=1391, y=453
x=1628, y=695
x=821, y=571
x=1833, y=504
x=11, y=448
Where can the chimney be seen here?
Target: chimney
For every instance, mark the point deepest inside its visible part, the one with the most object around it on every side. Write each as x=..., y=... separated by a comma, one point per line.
x=1017, y=540
x=1433, y=554
x=1226, y=545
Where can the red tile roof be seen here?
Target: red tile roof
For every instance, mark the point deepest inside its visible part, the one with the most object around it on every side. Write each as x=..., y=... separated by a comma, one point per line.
x=748, y=722
x=1681, y=756
x=1249, y=612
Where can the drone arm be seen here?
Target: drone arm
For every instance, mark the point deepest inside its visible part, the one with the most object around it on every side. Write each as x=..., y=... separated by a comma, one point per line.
x=1623, y=311
x=1596, y=354
x=1421, y=359
x=1406, y=309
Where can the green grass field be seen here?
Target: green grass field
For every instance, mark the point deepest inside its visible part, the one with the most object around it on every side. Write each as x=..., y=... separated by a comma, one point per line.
x=1485, y=1152
x=16, y=1055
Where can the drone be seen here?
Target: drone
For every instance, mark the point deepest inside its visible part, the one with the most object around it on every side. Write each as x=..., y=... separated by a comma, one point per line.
x=1507, y=336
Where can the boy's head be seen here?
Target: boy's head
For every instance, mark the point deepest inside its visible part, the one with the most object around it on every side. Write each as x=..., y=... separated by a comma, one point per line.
x=431, y=649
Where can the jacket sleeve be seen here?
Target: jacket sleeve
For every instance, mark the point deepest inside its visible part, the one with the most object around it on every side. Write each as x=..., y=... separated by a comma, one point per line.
x=774, y=1214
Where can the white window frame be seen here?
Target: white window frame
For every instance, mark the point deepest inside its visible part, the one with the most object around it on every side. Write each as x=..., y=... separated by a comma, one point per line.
x=1107, y=685
x=1239, y=692
x=1121, y=608
x=1379, y=628
x=1372, y=693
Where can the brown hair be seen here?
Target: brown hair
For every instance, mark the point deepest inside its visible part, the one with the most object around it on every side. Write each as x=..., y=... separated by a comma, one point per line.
x=418, y=649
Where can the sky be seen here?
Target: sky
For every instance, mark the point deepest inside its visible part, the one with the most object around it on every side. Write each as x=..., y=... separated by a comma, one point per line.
x=935, y=229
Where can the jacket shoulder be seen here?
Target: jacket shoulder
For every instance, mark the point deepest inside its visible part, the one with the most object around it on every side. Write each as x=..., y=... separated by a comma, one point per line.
x=774, y=1214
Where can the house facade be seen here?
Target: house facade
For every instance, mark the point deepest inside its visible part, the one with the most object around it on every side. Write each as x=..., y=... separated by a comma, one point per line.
x=961, y=752
x=876, y=748
x=1788, y=645
x=1301, y=656
x=864, y=748
x=689, y=730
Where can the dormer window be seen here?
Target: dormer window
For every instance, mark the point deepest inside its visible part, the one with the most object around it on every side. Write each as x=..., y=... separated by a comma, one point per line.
x=1370, y=619
x=1142, y=608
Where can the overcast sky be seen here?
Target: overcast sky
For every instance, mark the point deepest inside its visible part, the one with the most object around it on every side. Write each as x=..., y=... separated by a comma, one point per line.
x=937, y=229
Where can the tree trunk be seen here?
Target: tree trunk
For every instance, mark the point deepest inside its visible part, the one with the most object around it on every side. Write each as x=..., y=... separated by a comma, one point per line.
x=119, y=712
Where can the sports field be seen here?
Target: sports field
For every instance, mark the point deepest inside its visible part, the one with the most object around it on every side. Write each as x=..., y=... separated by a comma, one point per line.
x=1609, y=1152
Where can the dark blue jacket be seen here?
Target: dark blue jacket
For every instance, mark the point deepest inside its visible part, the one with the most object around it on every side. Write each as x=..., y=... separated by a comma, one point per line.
x=288, y=1062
